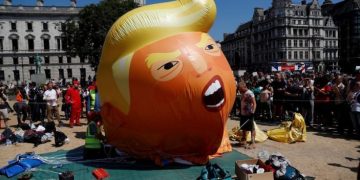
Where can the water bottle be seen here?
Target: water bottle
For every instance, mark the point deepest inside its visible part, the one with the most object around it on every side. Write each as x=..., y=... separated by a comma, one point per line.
x=263, y=155
x=8, y=142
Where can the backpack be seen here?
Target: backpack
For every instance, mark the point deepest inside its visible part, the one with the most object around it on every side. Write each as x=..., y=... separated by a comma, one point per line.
x=59, y=138
x=8, y=134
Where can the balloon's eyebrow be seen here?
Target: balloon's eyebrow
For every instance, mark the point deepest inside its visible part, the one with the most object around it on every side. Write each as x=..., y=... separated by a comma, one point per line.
x=156, y=57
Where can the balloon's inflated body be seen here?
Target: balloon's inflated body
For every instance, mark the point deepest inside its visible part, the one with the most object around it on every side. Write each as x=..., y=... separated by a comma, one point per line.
x=165, y=86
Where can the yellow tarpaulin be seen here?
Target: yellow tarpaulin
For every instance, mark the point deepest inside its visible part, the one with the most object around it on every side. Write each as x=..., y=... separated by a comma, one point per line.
x=236, y=134
x=290, y=132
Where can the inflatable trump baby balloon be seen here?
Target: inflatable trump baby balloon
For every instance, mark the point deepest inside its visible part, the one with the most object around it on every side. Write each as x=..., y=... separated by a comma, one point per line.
x=165, y=86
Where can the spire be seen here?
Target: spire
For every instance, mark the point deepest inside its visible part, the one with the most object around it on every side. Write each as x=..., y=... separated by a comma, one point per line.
x=73, y=3
x=7, y=2
x=39, y=2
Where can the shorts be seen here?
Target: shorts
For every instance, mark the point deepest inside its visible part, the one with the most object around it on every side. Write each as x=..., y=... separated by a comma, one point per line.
x=4, y=114
x=247, y=123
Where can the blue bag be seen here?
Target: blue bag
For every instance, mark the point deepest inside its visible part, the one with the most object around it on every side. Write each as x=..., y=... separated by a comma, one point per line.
x=20, y=164
x=12, y=170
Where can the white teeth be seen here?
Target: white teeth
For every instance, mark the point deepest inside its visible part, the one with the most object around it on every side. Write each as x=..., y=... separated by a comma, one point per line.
x=217, y=105
x=213, y=88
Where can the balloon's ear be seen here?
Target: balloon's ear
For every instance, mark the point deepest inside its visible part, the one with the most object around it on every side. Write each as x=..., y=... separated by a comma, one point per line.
x=112, y=116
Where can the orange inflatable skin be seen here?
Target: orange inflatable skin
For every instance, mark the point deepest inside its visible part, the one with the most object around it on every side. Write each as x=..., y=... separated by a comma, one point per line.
x=181, y=91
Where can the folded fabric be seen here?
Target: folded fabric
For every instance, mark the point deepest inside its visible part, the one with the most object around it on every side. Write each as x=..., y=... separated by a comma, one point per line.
x=20, y=164
x=12, y=170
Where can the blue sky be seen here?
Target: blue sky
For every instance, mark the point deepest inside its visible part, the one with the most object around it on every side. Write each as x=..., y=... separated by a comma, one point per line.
x=231, y=13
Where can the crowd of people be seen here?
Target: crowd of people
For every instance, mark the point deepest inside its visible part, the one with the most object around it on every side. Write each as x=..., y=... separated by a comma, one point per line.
x=38, y=103
x=325, y=100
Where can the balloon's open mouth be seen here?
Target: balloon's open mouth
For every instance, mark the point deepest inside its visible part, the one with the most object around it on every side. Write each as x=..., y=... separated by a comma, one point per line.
x=213, y=94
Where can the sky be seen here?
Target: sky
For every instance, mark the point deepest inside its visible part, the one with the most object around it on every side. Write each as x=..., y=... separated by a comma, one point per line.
x=230, y=13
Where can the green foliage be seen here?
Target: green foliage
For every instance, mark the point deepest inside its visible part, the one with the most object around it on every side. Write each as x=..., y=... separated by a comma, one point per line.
x=85, y=34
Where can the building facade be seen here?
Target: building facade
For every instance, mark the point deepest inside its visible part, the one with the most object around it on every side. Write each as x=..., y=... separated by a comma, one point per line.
x=347, y=17
x=284, y=33
x=31, y=32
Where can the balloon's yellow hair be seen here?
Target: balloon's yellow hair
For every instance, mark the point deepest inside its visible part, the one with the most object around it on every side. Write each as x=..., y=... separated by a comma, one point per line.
x=142, y=26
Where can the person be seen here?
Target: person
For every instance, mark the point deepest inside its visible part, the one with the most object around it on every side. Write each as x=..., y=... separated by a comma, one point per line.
x=20, y=106
x=247, y=110
x=34, y=106
x=265, y=100
x=308, y=102
x=279, y=86
x=3, y=108
x=354, y=101
x=75, y=100
x=50, y=96
x=66, y=106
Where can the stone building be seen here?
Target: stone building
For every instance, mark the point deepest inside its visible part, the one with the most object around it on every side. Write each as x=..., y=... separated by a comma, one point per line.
x=30, y=31
x=284, y=33
x=346, y=15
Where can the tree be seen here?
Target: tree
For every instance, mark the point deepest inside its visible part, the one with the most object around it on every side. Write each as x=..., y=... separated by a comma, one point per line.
x=85, y=34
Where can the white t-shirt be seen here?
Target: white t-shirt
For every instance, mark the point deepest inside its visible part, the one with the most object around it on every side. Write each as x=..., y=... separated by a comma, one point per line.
x=51, y=97
x=355, y=103
x=247, y=108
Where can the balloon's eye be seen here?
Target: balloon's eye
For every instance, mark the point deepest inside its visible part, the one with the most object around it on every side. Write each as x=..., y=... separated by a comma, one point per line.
x=210, y=47
x=169, y=65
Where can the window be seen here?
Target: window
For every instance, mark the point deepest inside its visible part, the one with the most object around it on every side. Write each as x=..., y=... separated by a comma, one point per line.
x=1, y=44
x=290, y=55
x=83, y=73
x=15, y=60
x=82, y=60
x=295, y=32
x=31, y=60
x=48, y=73
x=1, y=60
x=63, y=26
x=2, y=75
x=15, y=46
x=317, y=54
x=46, y=44
x=61, y=74
x=301, y=43
x=58, y=40
x=29, y=26
x=31, y=72
x=295, y=55
x=289, y=42
x=69, y=72
x=47, y=59
x=13, y=26
x=68, y=59
x=317, y=43
x=45, y=26
x=31, y=44
x=306, y=43
x=60, y=59
x=306, y=55
x=295, y=43
x=306, y=32
x=16, y=75
x=63, y=43
x=301, y=55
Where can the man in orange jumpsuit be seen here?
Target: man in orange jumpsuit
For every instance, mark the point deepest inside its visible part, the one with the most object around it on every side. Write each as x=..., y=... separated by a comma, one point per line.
x=75, y=100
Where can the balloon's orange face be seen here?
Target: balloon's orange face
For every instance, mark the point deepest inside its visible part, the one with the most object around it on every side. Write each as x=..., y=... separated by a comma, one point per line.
x=181, y=91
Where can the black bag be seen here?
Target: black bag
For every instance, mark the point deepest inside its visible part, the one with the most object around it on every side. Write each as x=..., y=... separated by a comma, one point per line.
x=8, y=134
x=59, y=138
x=31, y=136
x=50, y=127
